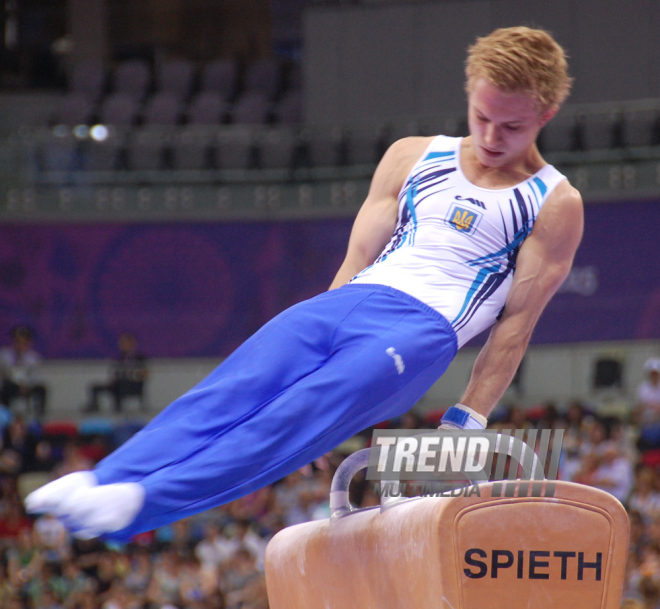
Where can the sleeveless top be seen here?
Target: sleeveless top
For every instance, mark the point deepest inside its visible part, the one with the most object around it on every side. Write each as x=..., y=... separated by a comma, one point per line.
x=455, y=244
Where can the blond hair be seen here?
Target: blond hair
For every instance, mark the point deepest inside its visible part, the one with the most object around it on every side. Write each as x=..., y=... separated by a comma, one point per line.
x=521, y=59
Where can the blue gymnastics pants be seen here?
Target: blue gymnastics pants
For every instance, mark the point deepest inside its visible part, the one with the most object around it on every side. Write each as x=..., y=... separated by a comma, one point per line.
x=312, y=377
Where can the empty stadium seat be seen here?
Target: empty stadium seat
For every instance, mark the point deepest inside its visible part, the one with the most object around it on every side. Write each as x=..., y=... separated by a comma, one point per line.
x=642, y=128
x=192, y=148
x=145, y=152
x=175, y=78
x=207, y=108
x=59, y=152
x=453, y=127
x=220, y=76
x=103, y=155
x=367, y=145
x=235, y=149
x=559, y=135
x=120, y=110
x=96, y=426
x=324, y=147
x=74, y=109
x=264, y=76
x=88, y=79
x=600, y=130
x=289, y=108
x=162, y=109
x=252, y=108
x=132, y=78
x=608, y=372
x=401, y=129
x=277, y=147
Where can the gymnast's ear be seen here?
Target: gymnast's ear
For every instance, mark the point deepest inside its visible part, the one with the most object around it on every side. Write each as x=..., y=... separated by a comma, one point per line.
x=548, y=115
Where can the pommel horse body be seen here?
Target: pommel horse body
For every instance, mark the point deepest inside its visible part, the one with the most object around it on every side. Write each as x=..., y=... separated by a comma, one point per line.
x=475, y=551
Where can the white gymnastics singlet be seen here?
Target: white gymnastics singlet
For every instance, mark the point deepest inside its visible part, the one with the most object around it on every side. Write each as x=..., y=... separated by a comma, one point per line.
x=455, y=244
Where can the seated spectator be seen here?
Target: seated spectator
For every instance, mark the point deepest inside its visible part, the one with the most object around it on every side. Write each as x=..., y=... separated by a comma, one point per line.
x=138, y=578
x=12, y=521
x=650, y=592
x=73, y=460
x=75, y=583
x=640, y=534
x=645, y=498
x=192, y=589
x=19, y=369
x=164, y=587
x=214, y=549
x=52, y=539
x=247, y=539
x=237, y=574
x=19, y=445
x=127, y=376
x=24, y=563
x=648, y=393
x=607, y=470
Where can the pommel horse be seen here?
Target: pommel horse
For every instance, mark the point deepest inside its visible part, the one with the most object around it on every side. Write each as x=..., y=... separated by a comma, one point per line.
x=490, y=550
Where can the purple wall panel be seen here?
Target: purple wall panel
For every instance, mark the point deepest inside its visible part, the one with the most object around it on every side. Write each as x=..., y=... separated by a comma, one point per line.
x=614, y=290
x=199, y=289
x=183, y=289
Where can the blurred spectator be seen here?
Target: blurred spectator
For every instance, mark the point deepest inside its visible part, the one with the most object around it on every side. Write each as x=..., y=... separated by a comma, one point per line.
x=192, y=588
x=106, y=571
x=12, y=521
x=164, y=587
x=299, y=499
x=648, y=393
x=237, y=574
x=245, y=538
x=24, y=564
x=213, y=550
x=614, y=473
x=252, y=506
x=19, y=446
x=515, y=419
x=87, y=553
x=645, y=498
x=52, y=538
x=73, y=460
x=6, y=588
x=139, y=575
x=75, y=584
x=650, y=593
x=639, y=533
x=19, y=368
x=605, y=467
x=550, y=418
x=127, y=376
x=215, y=560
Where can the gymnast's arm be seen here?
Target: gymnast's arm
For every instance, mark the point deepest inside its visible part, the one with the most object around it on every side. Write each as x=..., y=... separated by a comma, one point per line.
x=376, y=220
x=543, y=263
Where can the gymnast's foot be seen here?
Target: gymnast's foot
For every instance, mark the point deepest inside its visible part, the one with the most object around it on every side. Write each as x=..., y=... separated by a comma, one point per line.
x=86, y=508
x=48, y=498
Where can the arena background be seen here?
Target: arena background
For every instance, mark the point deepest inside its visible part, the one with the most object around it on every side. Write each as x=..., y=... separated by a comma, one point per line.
x=193, y=259
x=186, y=169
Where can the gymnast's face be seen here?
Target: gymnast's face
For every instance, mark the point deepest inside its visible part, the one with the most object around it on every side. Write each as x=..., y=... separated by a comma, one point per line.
x=504, y=126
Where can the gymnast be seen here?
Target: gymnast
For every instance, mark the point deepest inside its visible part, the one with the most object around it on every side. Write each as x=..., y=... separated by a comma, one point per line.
x=456, y=235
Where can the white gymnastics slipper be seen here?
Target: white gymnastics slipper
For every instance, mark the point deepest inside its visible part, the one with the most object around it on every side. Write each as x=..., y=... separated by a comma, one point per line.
x=92, y=511
x=48, y=498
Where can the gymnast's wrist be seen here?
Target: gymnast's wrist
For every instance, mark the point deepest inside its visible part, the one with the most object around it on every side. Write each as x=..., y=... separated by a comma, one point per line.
x=461, y=416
